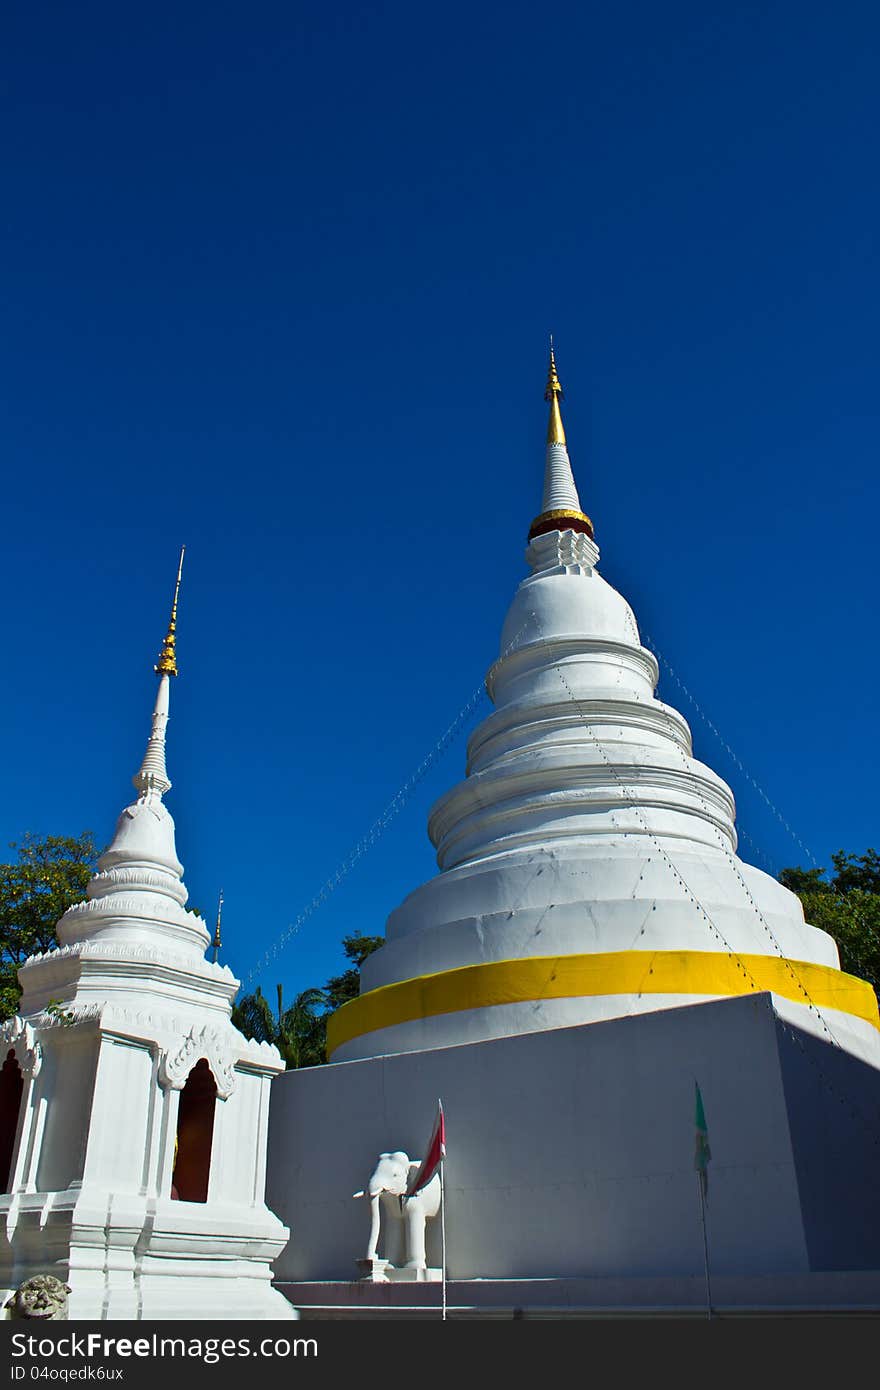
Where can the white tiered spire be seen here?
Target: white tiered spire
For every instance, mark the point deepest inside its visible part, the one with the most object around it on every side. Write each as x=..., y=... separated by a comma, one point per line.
x=561, y=506
x=560, y=491
x=138, y=898
x=152, y=776
x=561, y=538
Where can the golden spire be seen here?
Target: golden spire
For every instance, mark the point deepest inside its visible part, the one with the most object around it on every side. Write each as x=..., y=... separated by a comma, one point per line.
x=561, y=508
x=553, y=394
x=167, y=663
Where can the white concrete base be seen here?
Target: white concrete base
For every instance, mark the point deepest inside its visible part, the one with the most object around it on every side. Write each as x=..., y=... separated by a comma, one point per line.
x=829, y=1294
x=414, y=1276
x=130, y=1258
x=570, y=1152
x=384, y=1272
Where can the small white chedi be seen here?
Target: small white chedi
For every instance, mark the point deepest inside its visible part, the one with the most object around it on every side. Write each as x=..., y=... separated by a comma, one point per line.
x=138, y=1170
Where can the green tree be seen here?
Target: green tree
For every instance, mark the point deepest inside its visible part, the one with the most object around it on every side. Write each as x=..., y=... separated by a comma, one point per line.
x=49, y=875
x=300, y=1032
x=847, y=907
x=859, y=872
x=253, y=1016
x=339, y=989
x=802, y=881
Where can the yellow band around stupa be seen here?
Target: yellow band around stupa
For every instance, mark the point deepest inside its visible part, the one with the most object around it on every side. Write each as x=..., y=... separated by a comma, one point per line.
x=583, y=976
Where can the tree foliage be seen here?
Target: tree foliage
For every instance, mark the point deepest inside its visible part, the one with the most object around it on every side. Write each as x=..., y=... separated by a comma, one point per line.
x=300, y=1031
x=339, y=989
x=847, y=907
x=49, y=875
x=296, y=1031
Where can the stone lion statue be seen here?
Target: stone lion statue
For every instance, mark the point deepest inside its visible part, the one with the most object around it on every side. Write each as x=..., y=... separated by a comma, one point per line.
x=43, y=1297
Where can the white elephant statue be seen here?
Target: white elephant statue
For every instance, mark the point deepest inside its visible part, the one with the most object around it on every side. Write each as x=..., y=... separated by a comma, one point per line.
x=404, y=1216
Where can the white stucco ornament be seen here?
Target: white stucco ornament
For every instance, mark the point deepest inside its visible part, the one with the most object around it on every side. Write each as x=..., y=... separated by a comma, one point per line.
x=20, y=1038
x=399, y=1221
x=175, y=1066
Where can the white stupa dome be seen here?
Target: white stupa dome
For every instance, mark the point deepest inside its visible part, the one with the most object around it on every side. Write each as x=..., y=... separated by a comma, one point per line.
x=144, y=835
x=550, y=604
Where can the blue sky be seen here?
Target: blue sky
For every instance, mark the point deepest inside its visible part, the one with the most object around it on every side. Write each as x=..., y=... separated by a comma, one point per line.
x=278, y=282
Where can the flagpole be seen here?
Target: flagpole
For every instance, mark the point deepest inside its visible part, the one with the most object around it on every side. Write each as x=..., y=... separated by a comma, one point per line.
x=703, y=1155
x=443, y=1236
x=705, y=1247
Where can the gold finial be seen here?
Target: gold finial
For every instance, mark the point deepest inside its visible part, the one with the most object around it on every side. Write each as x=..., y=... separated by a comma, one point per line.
x=553, y=394
x=167, y=663
x=216, y=942
x=559, y=484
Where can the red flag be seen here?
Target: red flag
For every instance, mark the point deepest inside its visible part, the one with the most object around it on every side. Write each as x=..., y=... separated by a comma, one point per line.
x=431, y=1161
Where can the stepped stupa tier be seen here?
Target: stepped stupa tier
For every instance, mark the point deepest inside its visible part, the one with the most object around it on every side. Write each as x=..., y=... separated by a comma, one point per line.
x=588, y=860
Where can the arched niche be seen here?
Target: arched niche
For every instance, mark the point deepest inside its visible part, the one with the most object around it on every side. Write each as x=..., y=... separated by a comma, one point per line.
x=11, y=1089
x=195, y=1132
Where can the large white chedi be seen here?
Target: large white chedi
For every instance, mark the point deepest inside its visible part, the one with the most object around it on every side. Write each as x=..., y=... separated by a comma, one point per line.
x=138, y=1170
x=588, y=860
x=591, y=947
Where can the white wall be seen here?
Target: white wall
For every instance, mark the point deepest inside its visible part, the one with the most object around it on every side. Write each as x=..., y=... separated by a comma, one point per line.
x=570, y=1152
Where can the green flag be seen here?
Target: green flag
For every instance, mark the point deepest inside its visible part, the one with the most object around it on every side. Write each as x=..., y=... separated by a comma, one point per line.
x=702, y=1153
